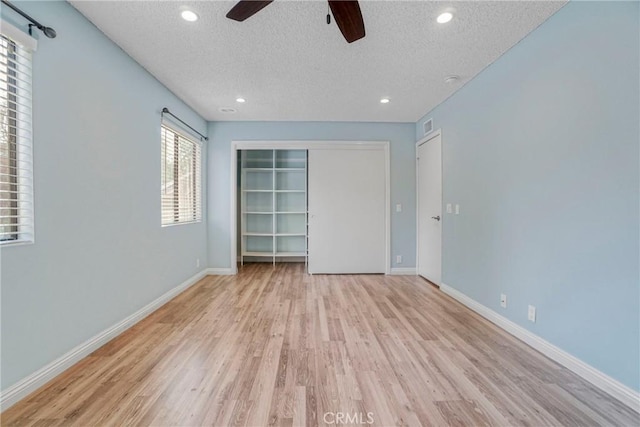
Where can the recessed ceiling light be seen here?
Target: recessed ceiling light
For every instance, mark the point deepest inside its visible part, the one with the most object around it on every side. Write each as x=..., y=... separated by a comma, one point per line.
x=384, y=101
x=189, y=15
x=240, y=100
x=451, y=79
x=227, y=110
x=445, y=17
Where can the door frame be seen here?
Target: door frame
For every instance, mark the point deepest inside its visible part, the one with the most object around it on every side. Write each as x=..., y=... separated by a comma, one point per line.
x=305, y=145
x=428, y=137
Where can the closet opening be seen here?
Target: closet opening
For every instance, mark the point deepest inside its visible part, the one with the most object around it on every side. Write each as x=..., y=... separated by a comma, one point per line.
x=325, y=204
x=272, y=206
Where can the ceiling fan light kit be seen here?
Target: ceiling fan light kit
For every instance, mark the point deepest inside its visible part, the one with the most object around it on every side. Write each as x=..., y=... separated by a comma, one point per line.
x=346, y=13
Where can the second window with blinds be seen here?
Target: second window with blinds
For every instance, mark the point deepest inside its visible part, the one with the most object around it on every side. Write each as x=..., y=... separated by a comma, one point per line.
x=181, y=178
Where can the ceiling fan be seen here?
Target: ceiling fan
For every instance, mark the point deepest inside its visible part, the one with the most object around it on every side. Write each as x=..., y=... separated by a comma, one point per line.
x=346, y=13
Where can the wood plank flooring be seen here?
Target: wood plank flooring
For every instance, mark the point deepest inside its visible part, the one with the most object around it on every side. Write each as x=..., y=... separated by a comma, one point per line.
x=274, y=346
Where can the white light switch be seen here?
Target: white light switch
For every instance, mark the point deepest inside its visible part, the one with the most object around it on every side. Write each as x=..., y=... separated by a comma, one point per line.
x=457, y=209
x=398, y=207
x=449, y=210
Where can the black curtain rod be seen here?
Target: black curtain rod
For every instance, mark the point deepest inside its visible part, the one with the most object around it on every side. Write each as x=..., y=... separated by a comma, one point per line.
x=48, y=31
x=165, y=110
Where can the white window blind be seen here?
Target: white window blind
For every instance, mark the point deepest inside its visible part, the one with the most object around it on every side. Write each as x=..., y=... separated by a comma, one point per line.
x=16, y=153
x=181, y=178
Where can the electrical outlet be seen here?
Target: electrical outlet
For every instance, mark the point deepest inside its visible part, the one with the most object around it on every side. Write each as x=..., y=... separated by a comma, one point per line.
x=398, y=259
x=449, y=210
x=198, y=262
x=503, y=301
x=531, y=315
x=457, y=209
x=398, y=207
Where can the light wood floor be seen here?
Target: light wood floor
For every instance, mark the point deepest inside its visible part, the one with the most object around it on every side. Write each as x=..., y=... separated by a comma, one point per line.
x=275, y=346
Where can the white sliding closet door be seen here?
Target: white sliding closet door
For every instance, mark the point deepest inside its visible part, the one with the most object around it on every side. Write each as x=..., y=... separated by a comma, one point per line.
x=347, y=204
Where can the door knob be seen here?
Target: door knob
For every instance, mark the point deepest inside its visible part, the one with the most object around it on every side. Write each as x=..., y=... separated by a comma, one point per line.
x=437, y=218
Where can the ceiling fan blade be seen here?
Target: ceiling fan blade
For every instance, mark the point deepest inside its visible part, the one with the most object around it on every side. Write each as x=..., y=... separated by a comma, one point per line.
x=246, y=8
x=348, y=18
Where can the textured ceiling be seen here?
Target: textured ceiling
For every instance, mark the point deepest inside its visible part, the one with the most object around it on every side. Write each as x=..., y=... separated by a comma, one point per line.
x=290, y=65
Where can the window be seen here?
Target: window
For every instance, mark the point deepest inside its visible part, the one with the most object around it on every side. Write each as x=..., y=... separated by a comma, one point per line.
x=16, y=171
x=181, y=178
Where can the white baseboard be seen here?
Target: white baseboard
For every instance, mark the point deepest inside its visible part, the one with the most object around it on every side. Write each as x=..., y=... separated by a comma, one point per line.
x=616, y=389
x=221, y=271
x=31, y=383
x=411, y=271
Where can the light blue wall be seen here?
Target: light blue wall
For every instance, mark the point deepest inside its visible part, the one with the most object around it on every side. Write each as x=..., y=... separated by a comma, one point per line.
x=400, y=135
x=100, y=253
x=541, y=151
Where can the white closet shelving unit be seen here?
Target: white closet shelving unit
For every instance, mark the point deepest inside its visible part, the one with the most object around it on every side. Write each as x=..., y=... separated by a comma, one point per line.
x=273, y=185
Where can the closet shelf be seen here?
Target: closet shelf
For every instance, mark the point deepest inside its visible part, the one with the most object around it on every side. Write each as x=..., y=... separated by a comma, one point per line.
x=258, y=254
x=273, y=185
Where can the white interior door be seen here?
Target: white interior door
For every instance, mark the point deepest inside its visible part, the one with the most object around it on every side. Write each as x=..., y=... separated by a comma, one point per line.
x=430, y=209
x=347, y=211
